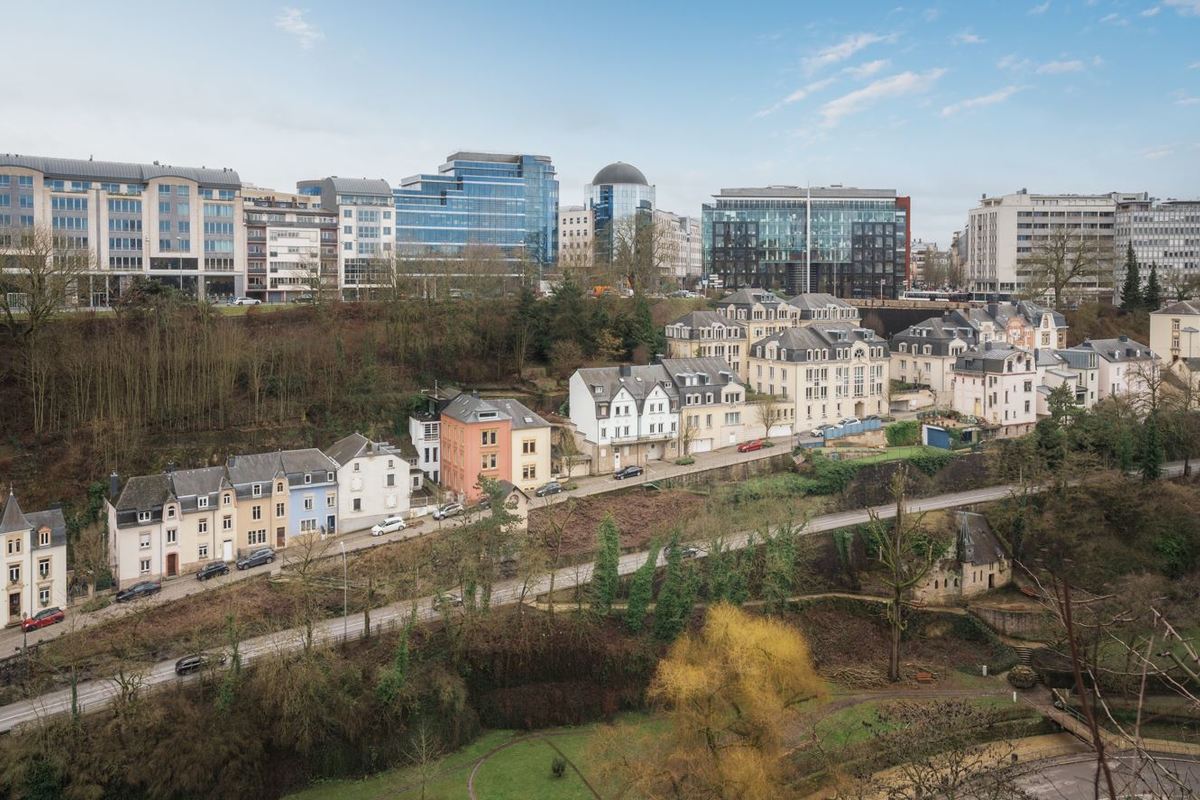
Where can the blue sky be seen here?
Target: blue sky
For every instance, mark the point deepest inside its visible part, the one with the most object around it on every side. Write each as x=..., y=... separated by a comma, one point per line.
x=942, y=100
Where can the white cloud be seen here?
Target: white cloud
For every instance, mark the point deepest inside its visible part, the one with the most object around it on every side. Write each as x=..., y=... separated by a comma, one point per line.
x=1040, y=9
x=1188, y=8
x=861, y=99
x=868, y=69
x=992, y=99
x=1014, y=62
x=930, y=14
x=1113, y=19
x=1194, y=65
x=1182, y=98
x=292, y=21
x=1152, y=11
x=795, y=97
x=1059, y=67
x=1162, y=151
x=966, y=37
x=844, y=49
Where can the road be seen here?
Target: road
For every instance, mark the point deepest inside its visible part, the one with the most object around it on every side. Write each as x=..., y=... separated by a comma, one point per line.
x=1073, y=778
x=96, y=693
x=12, y=640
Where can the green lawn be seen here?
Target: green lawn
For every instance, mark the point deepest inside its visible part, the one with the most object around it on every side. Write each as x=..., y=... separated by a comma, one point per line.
x=515, y=773
x=896, y=453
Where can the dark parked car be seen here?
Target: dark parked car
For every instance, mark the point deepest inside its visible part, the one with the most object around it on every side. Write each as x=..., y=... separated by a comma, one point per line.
x=553, y=487
x=42, y=619
x=138, y=591
x=196, y=662
x=263, y=555
x=211, y=570
x=631, y=471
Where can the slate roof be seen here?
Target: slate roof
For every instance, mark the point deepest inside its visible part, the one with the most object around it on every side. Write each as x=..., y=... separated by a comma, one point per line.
x=819, y=300
x=263, y=467
x=1182, y=307
x=470, y=408
x=748, y=297
x=13, y=519
x=938, y=333
x=522, y=417
x=818, y=335
x=52, y=519
x=707, y=319
x=1033, y=312
x=976, y=542
x=990, y=359
x=1119, y=350
x=360, y=185
x=144, y=492
x=348, y=448
x=603, y=383
x=119, y=171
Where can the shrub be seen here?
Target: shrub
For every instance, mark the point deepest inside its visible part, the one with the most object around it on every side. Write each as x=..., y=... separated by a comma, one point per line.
x=901, y=434
x=558, y=767
x=930, y=461
x=1022, y=677
x=684, y=461
x=96, y=603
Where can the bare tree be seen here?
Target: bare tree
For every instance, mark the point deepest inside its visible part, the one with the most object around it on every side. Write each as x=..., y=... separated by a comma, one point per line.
x=768, y=410
x=641, y=252
x=1066, y=260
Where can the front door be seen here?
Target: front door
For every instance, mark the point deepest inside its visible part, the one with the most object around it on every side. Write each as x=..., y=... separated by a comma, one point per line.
x=14, y=605
x=172, y=564
x=280, y=537
x=227, y=550
x=329, y=523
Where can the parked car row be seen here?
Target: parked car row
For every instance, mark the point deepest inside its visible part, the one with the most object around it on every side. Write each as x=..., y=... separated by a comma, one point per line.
x=820, y=430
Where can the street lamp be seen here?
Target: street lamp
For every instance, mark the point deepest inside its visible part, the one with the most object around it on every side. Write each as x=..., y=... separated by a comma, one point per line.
x=345, y=595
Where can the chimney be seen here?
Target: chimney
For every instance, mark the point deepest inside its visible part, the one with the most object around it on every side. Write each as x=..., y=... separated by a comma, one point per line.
x=114, y=486
x=170, y=467
x=1123, y=338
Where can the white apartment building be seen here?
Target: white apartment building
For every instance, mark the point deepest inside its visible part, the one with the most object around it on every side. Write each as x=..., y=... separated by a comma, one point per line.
x=1007, y=230
x=625, y=415
x=682, y=243
x=707, y=334
x=924, y=354
x=1075, y=368
x=576, y=237
x=366, y=230
x=373, y=481
x=921, y=251
x=1174, y=330
x=763, y=312
x=997, y=384
x=822, y=372
x=180, y=226
x=425, y=432
x=35, y=560
x=712, y=405
x=1165, y=233
x=1126, y=368
x=291, y=245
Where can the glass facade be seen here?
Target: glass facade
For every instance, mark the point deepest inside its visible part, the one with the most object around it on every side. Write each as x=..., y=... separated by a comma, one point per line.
x=612, y=202
x=847, y=246
x=504, y=203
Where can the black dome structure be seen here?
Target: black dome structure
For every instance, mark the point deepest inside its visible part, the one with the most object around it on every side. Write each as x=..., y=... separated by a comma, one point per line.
x=619, y=172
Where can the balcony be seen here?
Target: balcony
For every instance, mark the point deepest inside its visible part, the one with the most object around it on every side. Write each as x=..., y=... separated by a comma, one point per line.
x=665, y=436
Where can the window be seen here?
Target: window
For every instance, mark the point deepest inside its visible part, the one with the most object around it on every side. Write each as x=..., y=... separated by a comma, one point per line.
x=331, y=501
x=488, y=438
x=226, y=499
x=14, y=545
x=144, y=541
x=529, y=446
x=308, y=525
x=170, y=512
x=202, y=526
x=44, y=596
x=256, y=490
x=172, y=536
x=227, y=523
x=256, y=512
x=529, y=472
x=308, y=503
x=43, y=537
x=201, y=502
x=279, y=509
x=43, y=568
x=329, y=477
x=488, y=461
x=143, y=516
x=279, y=486
x=257, y=537
x=144, y=566
x=307, y=477
x=357, y=465
x=358, y=504
x=391, y=479
x=202, y=552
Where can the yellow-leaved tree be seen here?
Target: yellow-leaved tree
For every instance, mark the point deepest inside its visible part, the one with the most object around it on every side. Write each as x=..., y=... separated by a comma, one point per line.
x=727, y=692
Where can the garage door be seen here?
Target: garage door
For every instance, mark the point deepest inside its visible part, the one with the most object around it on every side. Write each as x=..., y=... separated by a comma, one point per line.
x=702, y=445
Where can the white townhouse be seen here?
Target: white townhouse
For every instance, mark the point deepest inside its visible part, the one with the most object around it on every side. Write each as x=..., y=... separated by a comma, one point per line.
x=625, y=415
x=1072, y=367
x=763, y=312
x=924, y=354
x=1174, y=330
x=373, y=481
x=1126, y=367
x=997, y=385
x=822, y=373
x=707, y=334
x=35, y=560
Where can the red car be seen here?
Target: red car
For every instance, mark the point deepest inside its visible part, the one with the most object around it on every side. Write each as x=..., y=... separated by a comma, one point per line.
x=42, y=619
x=750, y=447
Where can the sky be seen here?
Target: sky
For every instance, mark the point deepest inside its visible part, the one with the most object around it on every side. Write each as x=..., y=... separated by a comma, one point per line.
x=942, y=101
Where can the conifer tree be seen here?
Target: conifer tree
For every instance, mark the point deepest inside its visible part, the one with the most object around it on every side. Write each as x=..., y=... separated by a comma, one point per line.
x=641, y=591
x=1131, y=289
x=676, y=596
x=1152, y=455
x=606, y=577
x=1152, y=297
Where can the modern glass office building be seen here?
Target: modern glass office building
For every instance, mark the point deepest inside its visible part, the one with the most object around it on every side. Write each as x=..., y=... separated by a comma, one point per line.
x=618, y=192
x=844, y=241
x=497, y=203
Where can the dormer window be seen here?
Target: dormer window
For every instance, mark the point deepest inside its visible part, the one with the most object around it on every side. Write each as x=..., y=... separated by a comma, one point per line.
x=256, y=490
x=329, y=477
x=356, y=466
x=143, y=516
x=279, y=486
x=170, y=512
x=308, y=477
x=201, y=502
x=43, y=537
x=226, y=499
